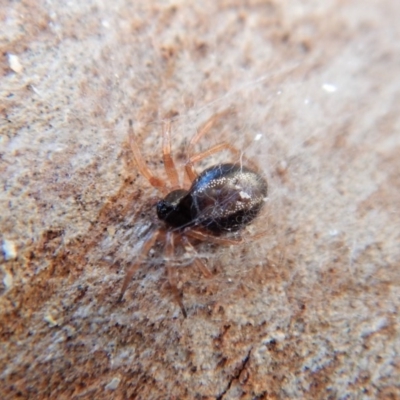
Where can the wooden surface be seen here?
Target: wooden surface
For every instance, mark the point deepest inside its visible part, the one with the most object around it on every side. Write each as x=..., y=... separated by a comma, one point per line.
x=312, y=93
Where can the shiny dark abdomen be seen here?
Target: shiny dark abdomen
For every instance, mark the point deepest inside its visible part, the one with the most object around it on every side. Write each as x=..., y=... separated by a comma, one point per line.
x=226, y=198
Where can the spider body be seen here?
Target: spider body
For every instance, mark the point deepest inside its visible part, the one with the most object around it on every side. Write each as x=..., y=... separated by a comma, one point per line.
x=223, y=198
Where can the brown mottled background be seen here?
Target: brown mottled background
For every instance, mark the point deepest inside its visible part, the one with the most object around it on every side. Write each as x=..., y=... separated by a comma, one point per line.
x=309, y=311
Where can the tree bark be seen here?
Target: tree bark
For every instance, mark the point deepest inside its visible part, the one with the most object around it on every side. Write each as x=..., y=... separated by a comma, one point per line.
x=307, y=306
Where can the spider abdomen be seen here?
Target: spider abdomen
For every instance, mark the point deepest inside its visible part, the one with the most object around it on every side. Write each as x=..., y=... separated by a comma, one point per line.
x=226, y=197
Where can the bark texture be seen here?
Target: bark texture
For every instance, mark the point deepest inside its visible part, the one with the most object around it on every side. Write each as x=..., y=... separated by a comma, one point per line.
x=310, y=93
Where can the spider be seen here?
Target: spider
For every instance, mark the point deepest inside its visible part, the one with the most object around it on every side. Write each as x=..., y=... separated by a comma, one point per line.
x=222, y=199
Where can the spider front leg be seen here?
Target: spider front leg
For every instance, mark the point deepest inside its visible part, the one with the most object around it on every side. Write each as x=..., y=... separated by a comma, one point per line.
x=141, y=165
x=171, y=270
x=148, y=244
x=169, y=164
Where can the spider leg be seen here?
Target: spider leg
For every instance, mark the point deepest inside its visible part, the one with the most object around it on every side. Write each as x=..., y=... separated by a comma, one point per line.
x=169, y=164
x=191, y=174
x=204, y=129
x=169, y=252
x=189, y=167
x=148, y=244
x=141, y=165
x=197, y=261
x=214, y=239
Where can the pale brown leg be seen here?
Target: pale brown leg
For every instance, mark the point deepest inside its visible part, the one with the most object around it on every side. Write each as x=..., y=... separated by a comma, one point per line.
x=141, y=165
x=197, y=261
x=148, y=244
x=214, y=239
x=190, y=171
x=168, y=161
x=204, y=129
x=169, y=252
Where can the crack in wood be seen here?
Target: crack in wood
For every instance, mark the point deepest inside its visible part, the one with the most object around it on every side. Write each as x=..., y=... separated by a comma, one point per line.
x=236, y=375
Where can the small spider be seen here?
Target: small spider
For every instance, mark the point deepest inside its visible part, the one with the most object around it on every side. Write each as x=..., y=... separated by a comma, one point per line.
x=222, y=199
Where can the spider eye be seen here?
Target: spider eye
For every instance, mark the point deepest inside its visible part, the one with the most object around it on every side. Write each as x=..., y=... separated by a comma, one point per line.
x=164, y=208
